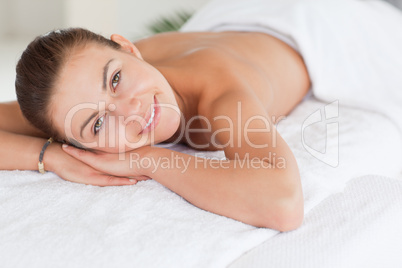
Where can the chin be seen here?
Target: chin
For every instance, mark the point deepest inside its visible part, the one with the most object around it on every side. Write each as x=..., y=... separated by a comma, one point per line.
x=169, y=128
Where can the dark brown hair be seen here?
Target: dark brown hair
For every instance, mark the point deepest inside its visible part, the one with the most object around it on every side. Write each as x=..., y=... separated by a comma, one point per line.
x=38, y=71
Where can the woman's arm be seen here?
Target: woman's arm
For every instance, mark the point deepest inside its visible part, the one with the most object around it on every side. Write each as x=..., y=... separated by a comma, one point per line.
x=12, y=120
x=21, y=143
x=249, y=190
x=21, y=152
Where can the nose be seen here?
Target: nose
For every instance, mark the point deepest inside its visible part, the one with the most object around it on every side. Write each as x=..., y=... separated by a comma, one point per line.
x=126, y=107
x=128, y=110
x=134, y=106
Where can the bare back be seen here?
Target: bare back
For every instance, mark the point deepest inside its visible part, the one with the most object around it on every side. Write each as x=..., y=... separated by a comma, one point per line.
x=276, y=73
x=203, y=67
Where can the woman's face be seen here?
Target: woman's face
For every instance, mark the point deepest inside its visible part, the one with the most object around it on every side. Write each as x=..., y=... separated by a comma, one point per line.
x=113, y=101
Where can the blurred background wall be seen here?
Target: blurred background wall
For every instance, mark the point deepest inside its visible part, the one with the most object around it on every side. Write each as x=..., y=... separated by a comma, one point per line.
x=28, y=18
x=22, y=20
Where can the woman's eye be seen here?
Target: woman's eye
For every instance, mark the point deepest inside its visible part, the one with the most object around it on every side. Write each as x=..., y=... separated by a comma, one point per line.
x=98, y=124
x=115, y=80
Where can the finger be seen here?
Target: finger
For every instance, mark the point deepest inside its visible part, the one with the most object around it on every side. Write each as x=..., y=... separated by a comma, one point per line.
x=108, y=180
x=80, y=154
x=141, y=178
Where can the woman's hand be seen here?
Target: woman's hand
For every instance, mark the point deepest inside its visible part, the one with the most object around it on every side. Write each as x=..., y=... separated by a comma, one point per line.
x=74, y=170
x=113, y=164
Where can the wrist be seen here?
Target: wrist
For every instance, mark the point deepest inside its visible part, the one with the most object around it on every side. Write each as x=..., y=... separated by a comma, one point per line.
x=51, y=156
x=144, y=159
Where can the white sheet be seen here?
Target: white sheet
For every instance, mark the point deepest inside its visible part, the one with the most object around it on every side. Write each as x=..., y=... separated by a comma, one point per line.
x=360, y=227
x=47, y=222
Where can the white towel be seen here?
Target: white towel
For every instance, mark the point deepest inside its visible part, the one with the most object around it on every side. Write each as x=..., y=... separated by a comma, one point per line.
x=352, y=48
x=48, y=222
x=360, y=227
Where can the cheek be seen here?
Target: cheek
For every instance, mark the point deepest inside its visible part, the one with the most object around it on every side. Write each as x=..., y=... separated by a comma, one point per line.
x=168, y=125
x=142, y=79
x=129, y=135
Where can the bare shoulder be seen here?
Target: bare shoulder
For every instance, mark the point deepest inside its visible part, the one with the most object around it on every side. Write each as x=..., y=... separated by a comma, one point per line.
x=210, y=73
x=212, y=63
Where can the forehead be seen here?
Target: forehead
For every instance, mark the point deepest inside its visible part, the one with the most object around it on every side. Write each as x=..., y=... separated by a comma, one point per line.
x=82, y=65
x=79, y=85
x=83, y=58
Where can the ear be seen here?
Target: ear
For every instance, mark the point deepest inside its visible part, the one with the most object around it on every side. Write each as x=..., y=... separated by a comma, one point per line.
x=126, y=45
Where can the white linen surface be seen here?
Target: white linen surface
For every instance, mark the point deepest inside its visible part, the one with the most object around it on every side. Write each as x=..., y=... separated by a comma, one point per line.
x=360, y=227
x=48, y=222
x=352, y=48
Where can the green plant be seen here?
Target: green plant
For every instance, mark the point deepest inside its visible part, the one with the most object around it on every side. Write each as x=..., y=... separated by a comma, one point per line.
x=170, y=23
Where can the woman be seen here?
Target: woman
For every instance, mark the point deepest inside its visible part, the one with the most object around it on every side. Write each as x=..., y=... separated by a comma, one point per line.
x=209, y=90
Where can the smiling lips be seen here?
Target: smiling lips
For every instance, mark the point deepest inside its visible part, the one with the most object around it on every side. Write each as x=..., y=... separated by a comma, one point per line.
x=153, y=120
x=150, y=119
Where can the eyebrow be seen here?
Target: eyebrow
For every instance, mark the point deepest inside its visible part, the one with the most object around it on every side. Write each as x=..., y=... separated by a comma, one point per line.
x=87, y=122
x=105, y=70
